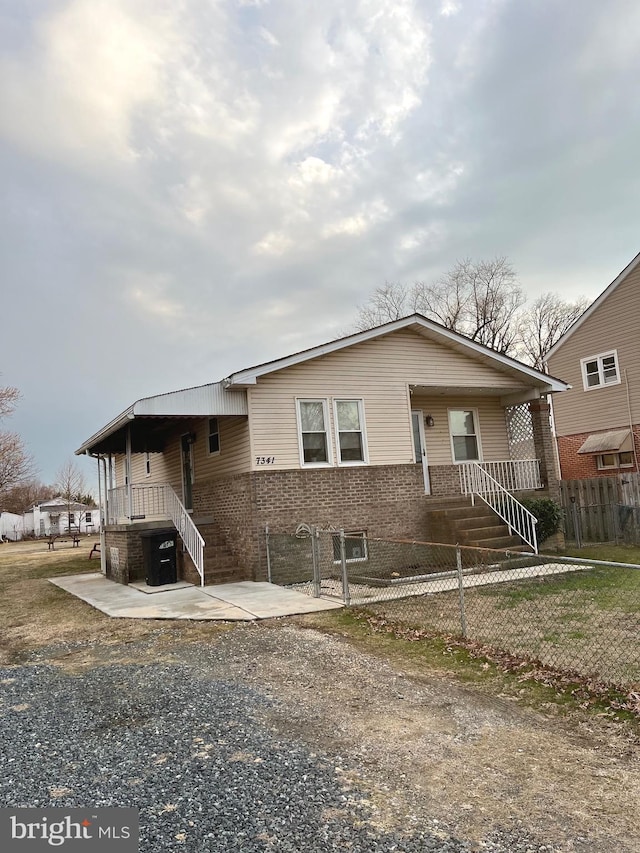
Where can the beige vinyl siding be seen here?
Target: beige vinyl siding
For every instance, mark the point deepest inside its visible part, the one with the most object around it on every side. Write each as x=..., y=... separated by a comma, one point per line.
x=491, y=426
x=612, y=326
x=234, y=456
x=378, y=372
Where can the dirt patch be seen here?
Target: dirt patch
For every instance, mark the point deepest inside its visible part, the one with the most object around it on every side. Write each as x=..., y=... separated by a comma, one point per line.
x=428, y=748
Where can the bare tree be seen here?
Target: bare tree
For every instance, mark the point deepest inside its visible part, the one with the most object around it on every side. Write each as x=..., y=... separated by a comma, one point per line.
x=70, y=484
x=543, y=324
x=385, y=304
x=22, y=496
x=479, y=299
x=16, y=465
x=483, y=301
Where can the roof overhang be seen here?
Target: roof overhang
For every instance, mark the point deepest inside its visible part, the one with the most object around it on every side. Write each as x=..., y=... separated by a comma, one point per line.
x=525, y=377
x=613, y=441
x=148, y=419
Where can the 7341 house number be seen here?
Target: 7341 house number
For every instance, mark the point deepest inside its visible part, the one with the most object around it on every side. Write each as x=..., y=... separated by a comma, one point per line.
x=265, y=460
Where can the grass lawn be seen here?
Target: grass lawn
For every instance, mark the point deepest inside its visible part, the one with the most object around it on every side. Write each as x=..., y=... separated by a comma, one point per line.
x=35, y=613
x=586, y=621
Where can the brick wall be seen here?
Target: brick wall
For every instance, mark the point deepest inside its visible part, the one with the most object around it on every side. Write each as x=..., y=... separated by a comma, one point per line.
x=386, y=501
x=580, y=467
x=130, y=565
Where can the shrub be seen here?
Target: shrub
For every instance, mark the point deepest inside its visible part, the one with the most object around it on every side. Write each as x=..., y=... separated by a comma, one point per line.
x=548, y=513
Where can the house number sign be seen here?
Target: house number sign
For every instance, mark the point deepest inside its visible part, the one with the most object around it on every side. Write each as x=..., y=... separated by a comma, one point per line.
x=265, y=460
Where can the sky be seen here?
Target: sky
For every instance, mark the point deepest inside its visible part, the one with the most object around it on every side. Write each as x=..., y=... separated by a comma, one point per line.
x=191, y=187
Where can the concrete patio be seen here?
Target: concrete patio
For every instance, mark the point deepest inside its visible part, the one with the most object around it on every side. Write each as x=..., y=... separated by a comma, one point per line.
x=244, y=601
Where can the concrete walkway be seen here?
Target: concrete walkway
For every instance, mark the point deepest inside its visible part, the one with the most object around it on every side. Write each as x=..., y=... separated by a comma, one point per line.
x=242, y=601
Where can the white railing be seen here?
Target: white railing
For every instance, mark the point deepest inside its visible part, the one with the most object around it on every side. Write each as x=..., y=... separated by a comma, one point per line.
x=189, y=533
x=514, y=475
x=148, y=502
x=155, y=502
x=476, y=480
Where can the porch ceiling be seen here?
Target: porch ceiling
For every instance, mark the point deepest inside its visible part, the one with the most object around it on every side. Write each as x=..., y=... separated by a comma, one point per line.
x=476, y=391
x=147, y=435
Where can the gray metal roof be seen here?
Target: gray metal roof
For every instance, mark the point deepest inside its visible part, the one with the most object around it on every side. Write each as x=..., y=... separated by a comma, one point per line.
x=211, y=400
x=607, y=442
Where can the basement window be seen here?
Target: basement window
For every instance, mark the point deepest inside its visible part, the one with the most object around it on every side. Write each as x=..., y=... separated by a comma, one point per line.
x=624, y=459
x=355, y=547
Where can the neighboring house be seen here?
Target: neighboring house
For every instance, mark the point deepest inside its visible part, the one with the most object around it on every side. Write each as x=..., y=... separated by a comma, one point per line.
x=373, y=433
x=597, y=422
x=11, y=526
x=57, y=516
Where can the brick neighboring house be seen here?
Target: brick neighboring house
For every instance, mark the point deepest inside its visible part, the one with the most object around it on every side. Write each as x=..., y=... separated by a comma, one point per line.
x=597, y=422
x=372, y=433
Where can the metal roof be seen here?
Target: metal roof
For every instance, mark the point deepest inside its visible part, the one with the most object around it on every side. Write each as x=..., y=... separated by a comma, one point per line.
x=211, y=400
x=607, y=442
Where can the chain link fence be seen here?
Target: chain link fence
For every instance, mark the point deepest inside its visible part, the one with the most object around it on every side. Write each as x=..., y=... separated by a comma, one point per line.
x=572, y=614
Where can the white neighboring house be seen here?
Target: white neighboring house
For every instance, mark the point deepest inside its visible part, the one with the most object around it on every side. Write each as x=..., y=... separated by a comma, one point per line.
x=57, y=517
x=11, y=526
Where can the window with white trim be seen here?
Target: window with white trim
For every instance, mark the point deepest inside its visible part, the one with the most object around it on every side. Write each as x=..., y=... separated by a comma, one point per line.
x=214, y=436
x=600, y=370
x=355, y=547
x=465, y=440
x=313, y=432
x=350, y=437
x=623, y=459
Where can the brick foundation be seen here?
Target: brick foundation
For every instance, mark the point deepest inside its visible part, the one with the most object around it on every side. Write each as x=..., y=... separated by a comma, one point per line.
x=125, y=564
x=576, y=466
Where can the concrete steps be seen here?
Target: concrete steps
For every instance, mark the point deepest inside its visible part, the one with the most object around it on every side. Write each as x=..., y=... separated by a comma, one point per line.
x=473, y=526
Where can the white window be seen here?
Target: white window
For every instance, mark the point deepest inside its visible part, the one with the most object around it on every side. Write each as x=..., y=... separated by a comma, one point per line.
x=465, y=440
x=623, y=459
x=599, y=370
x=351, y=443
x=87, y=517
x=313, y=436
x=355, y=547
x=214, y=436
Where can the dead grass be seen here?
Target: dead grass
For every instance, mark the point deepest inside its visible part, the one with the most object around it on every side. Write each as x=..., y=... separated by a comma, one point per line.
x=34, y=613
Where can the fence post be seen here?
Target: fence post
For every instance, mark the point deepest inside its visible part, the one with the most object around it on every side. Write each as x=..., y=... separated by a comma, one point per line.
x=346, y=595
x=266, y=538
x=315, y=562
x=463, y=618
x=576, y=522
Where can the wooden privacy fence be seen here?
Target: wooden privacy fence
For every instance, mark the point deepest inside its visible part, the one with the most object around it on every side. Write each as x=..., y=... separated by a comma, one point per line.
x=599, y=509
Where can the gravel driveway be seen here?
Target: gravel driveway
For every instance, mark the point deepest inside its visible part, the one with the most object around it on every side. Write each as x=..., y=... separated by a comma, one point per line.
x=279, y=738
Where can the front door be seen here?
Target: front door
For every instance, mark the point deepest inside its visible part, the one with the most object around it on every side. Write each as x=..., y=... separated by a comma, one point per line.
x=187, y=471
x=420, y=447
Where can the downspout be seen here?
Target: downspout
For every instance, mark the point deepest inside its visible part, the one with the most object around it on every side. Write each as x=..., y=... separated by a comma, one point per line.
x=633, y=438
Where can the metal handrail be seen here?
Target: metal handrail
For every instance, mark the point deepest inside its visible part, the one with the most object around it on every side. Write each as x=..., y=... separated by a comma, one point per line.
x=159, y=501
x=189, y=533
x=475, y=480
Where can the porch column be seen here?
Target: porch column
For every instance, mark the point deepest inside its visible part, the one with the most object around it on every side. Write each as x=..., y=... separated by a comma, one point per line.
x=543, y=443
x=128, y=474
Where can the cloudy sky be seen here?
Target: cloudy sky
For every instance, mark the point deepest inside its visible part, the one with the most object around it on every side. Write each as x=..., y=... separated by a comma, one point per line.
x=194, y=186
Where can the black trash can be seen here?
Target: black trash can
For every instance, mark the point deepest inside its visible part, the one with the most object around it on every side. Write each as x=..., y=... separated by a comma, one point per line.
x=159, y=553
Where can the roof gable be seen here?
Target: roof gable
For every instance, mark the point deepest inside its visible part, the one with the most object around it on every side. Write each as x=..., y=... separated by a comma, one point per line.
x=606, y=293
x=414, y=322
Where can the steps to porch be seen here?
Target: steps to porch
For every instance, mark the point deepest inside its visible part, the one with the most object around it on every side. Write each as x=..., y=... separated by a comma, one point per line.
x=220, y=565
x=459, y=522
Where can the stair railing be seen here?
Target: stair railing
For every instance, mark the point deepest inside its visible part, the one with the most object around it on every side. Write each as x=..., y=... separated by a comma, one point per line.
x=476, y=481
x=189, y=533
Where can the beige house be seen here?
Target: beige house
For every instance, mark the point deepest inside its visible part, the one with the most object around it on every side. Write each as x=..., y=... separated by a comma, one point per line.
x=597, y=422
x=378, y=433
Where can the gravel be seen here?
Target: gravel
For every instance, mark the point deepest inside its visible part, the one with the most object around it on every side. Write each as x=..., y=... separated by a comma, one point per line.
x=187, y=745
